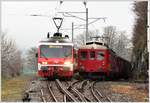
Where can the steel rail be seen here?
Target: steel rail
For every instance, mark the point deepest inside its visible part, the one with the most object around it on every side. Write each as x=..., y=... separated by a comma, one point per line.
x=109, y=99
x=78, y=91
x=93, y=93
x=73, y=83
x=51, y=92
x=100, y=94
x=81, y=97
x=65, y=91
x=68, y=84
x=88, y=99
x=42, y=97
x=42, y=92
x=64, y=98
x=81, y=86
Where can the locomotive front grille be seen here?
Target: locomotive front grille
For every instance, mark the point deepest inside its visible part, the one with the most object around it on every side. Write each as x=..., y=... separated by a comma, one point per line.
x=57, y=67
x=66, y=68
x=44, y=68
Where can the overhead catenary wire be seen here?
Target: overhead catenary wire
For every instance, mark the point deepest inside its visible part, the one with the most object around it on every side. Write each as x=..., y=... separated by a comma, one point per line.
x=79, y=26
x=58, y=7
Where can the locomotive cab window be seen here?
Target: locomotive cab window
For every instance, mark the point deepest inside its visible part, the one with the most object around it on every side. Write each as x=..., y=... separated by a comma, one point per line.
x=83, y=55
x=100, y=55
x=92, y=55
x=55, y=51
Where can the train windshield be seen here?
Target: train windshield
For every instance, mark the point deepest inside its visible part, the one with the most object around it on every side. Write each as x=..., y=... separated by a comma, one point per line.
x=92, y=55
x=83, y=55
x=100, y=55
x=55, y=51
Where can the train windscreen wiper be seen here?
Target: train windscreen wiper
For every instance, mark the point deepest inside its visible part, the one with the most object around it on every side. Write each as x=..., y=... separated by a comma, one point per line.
x=44, y=55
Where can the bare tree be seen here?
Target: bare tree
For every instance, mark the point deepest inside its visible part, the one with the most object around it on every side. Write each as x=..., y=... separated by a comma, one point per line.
x=140, y=51
x=31, y=58
x=11, y=57
x=111, y=34
x=118, y=41
x=80, y=39
x=123, y=46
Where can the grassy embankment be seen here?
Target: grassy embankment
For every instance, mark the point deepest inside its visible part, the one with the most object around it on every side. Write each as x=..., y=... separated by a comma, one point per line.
x=12, y=88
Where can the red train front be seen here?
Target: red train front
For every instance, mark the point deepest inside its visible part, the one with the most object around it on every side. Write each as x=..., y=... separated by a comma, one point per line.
x=93, y=59
x=55, y=58
x=96, y=59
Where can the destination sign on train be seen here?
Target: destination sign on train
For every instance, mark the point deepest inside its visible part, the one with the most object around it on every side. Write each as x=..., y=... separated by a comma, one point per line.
x=55, y=46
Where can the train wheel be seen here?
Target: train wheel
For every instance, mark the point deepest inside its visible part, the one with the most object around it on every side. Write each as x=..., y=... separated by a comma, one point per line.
x=56, y=77
x=112, y=76
x=107, y=78
x=69, y=79
x=50, y=78
x=126, y=77
x=40, y=78
x=83, y=74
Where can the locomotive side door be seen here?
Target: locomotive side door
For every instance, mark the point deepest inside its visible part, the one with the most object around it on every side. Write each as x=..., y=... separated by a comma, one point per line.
x=91, y=66
x=82, y=60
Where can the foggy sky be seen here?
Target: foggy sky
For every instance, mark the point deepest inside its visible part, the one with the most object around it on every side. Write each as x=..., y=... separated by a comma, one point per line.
x=27, y=30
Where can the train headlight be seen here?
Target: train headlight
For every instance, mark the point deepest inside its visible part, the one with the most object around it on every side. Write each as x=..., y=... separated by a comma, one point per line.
x=44, y=63
x=67, y=63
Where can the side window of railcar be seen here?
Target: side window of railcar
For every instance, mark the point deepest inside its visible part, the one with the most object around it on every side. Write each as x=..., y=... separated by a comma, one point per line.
x=83, y=55
x=100, y=55
x=92, y=55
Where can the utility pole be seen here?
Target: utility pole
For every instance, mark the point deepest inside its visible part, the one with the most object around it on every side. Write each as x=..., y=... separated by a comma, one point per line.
x=72, y=30
x=70, y=14
x=86, y=25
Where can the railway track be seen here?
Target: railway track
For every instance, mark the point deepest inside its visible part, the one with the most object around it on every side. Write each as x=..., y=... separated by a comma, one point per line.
x=52, y=93
x=66, y=92
x=74, y=91
x=42, y=96
x=99, y=97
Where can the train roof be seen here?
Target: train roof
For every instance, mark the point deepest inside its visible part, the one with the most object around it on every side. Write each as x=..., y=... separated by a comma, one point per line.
x=94, y=45
x=56, y=39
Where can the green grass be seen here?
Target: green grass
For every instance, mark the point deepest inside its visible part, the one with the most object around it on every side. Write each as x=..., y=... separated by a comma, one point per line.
x=12, y=88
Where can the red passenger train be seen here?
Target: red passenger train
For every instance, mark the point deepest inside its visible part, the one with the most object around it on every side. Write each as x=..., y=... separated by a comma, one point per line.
x=55, y=57
x=96, y=59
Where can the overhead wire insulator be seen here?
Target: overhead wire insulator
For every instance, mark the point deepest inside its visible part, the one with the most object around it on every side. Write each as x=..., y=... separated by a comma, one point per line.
x=57, y=9
x=85, y=3
x=61, y=1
